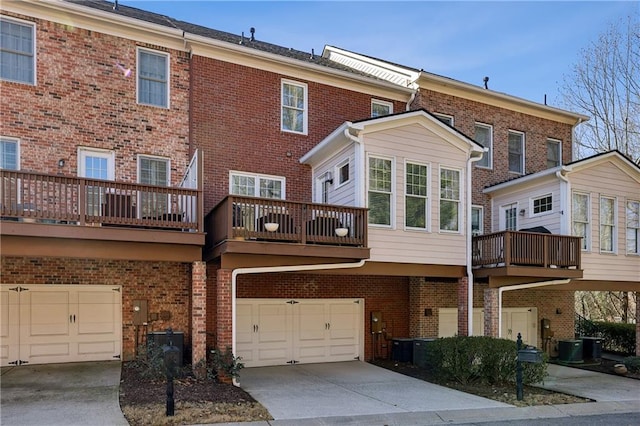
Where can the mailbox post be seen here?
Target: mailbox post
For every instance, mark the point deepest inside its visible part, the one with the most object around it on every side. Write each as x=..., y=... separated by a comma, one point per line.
x=170, y=355
x=528, y=354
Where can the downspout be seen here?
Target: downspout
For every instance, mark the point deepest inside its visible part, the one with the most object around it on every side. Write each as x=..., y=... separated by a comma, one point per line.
x=411, y=99
x=469, y=241
x=359, y=163
x=520, y=287
x=268, y=269
x=565, y=193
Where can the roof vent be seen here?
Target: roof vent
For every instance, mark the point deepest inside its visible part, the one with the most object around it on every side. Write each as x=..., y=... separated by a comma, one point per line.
x=313, y=55
x=242, y=39
x=115, y=5
x=486, y=82
x=253, y=33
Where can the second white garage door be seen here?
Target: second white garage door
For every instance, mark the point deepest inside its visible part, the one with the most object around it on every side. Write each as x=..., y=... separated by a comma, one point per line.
x=286, y=331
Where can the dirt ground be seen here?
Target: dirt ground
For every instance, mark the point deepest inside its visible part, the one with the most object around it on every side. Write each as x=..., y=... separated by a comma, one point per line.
x=143, y=401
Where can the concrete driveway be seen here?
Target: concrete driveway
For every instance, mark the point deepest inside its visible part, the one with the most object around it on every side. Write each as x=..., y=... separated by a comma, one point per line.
x=351, y=388
x=84, y=393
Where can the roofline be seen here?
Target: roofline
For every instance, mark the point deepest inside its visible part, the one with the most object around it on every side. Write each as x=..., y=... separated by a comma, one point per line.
x=325, y=141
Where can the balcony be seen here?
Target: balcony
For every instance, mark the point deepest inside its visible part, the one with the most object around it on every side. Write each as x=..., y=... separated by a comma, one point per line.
x=251, y=225
x=54, y=206
x=526, y=255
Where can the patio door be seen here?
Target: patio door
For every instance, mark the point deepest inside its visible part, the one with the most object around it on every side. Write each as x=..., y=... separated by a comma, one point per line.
x=95, y=164
x=509, y=217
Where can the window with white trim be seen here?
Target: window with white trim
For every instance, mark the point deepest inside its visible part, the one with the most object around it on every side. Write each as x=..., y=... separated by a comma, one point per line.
x=450, y=200
x=9, y=154
x=542, y=204
x=380, y=191
x=554, y=153
x=580, y=218
x=446, y=119
x=607, y=224
x=509, y=217
x=380, y=108
x=153, y=78
x=153, y=171
x=477, y=218
x=96, y=164
x=416, y=196
x=256, y=185
x=294, y=107
x=343, y=173
x=17, y=51
x=516, y=152
x=484, y=136
x=633, y=227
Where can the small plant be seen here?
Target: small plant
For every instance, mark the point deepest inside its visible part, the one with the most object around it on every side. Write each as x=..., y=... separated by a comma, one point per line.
x=632, y=363
x=149, y=362
x=223, y=363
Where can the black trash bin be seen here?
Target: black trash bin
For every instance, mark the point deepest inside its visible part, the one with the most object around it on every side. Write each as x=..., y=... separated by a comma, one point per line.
x=402, y=350
x=591, y=348
x=420, y=346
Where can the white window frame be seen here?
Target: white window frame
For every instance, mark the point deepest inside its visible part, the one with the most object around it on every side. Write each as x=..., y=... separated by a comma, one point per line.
x=489, y=154
x=480, y=210
x=139, y=50
x=445, y=118
x=153, y=157
x=635, y=229
x=532, y=202
x=109, y=155
x=305, y=108
x=613, y=226
x=503, y=219
x=15, y=141
x=522, y=160
x=426, y=197
x=338, y=173
x=33, y=81
x=257, y=178
x=392, y=194
x=458, y=201
x=558, y=143
x=389, y=105
x=586, y=244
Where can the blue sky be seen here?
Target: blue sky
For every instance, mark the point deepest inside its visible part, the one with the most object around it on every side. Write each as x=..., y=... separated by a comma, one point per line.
x=525, y=48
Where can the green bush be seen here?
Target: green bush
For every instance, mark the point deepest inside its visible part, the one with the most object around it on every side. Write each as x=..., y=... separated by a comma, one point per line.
x=223, y=362
x=149, y=362
x=480, y=359
x=616, y=337
x=632, y=363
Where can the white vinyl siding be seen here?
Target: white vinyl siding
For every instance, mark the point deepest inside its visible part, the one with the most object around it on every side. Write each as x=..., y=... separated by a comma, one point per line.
x=607, y=224
x=153, y=78
x=380, y=108
x=17, y=51
x=450, y=200
x=554, y=153
x=380, y=191
x=633, y=227
x=9, y=154
x=294, y=107
x=416, y=196
x=516, y=152
x=484, y=136
x=580, y=215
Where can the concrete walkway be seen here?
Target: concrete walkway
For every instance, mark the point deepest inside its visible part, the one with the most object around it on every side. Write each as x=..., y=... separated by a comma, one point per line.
x=61, y=394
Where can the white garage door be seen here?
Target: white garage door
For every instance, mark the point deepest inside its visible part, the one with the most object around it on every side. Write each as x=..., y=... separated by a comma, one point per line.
x=59, y=323
x=285, y=331
x=514, y=321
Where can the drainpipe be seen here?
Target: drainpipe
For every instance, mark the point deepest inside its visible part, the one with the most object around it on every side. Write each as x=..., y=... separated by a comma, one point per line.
x=520, y=287
x=267, y=269
x=565, y=193
x=359, y=163
x=469, y=242
x=410, y=101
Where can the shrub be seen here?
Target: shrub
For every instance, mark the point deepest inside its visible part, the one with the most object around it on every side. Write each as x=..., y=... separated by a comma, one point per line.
x=480, y=359
x=149, y=362
x=616, y=337
x=632, y=363
x=223, y=362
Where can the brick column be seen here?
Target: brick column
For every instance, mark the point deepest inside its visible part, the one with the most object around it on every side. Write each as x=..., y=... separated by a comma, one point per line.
x=491, y=311
x=463, y=301
x=223, y=309
x=198, y=312
x=638, y=323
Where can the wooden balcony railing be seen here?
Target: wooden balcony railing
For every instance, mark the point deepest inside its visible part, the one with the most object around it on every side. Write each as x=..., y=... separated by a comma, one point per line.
x=37, y=197
x=266, y=219
x=518, y=248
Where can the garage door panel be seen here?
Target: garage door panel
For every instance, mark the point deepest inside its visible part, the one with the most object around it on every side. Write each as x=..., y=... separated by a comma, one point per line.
x=96, y=319
x=43, y=350
x=97, y=347
x=9, y=326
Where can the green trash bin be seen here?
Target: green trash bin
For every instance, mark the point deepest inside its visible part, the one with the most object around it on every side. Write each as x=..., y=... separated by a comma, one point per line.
x=420, y=346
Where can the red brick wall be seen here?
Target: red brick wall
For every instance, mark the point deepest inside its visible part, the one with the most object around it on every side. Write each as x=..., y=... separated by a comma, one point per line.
x=236, y=122
x=83, y=99
x=165, y=285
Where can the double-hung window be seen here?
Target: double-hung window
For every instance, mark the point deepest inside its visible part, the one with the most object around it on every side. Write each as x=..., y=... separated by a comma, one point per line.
x=17, y=51
x=380, y=108
x=294, y=107
x=580, y=217
x=254, y=185
x=484, y=136
x=416, y=201
x=153, y=171
x=380, y=191
x=9, y=154
x=607, y=224
x=633, y=227
x=516, y=152
x=554, y=153
x=153, y=78
x=449, y=200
